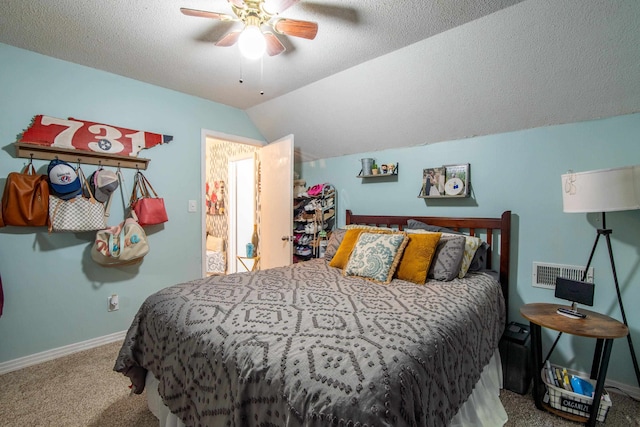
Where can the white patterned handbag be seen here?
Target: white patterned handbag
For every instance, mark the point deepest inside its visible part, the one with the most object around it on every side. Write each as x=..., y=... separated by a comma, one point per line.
x=78, y=214
x=123, y=244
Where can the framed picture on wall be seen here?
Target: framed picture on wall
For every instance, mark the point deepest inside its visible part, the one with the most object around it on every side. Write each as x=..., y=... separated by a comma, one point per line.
x=446, y=181
x=433, y=181
x=456, y=180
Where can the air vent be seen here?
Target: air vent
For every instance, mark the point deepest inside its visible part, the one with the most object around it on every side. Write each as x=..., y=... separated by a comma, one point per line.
x=544, y=274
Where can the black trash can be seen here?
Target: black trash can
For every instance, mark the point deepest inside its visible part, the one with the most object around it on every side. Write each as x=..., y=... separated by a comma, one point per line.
x=515, y=352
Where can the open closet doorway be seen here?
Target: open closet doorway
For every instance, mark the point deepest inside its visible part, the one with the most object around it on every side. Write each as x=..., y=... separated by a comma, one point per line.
x=219, y=238
x=242, y=210
x=273, y=184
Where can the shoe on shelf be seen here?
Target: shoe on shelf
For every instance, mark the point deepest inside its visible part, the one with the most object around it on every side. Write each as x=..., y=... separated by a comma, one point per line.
x=304, y=251
x=313, y=205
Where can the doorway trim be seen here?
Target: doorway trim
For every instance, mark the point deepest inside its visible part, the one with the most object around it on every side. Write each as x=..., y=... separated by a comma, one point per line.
x=204, y=135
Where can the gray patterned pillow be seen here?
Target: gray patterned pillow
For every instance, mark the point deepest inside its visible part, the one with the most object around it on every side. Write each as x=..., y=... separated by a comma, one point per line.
x=414, y=224
x=448, y=258
x=376, y=256
x=479, y=261
x=334, y=243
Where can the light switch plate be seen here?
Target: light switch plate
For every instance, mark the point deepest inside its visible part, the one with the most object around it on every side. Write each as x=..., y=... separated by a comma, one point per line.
x=192, y=206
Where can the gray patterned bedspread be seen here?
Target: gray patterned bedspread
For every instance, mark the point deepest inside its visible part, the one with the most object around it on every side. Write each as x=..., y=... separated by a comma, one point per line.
x=303, y=345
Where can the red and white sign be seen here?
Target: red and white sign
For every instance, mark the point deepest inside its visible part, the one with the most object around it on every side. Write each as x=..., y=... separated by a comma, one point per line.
x=76, y=134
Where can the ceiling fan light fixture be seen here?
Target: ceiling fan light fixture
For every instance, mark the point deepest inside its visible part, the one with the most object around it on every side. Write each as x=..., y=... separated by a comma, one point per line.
x=251, y=42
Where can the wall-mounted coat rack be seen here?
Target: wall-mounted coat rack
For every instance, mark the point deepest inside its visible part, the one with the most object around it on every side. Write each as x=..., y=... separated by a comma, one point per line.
x=42, y=152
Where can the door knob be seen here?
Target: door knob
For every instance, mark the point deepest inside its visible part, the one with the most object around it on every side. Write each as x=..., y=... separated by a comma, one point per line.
x=287, y=238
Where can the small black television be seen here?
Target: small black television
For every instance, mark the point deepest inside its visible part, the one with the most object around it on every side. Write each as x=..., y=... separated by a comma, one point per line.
x=575, y=291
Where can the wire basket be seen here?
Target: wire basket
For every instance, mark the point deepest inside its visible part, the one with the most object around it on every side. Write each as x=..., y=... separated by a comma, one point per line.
x=575, y=403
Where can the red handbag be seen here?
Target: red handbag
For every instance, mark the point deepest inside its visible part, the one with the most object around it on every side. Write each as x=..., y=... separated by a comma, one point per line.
x=25, y=201
x=149, y=208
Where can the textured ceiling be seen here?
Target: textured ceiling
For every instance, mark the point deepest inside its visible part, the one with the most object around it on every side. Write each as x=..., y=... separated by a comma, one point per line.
x=379, y=74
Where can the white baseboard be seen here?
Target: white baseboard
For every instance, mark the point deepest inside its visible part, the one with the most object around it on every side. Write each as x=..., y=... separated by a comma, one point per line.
x=625, y=388
x=34, y=359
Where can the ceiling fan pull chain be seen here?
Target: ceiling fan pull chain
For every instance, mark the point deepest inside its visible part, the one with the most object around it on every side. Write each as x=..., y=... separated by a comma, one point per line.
x=241, y=71
x=261, y=74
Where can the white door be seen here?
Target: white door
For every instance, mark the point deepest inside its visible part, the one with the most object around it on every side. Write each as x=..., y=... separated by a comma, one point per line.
x=276, y=203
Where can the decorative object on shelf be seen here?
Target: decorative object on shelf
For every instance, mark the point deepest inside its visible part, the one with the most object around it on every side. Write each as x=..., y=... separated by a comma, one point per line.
x=370, y=169
x=25, y=200
x=445, y=181
x=367, y=166
x=604, y=190
x=250, y=247
x=254, y=238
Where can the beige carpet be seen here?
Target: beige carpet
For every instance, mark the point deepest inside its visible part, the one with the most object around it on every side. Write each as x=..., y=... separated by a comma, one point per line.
x=82, y=390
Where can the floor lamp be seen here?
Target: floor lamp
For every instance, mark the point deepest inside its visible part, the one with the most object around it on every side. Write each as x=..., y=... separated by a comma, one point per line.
x=604, y=190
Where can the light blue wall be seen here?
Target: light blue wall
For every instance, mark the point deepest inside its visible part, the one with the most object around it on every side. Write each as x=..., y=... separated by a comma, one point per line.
x=55, y=294
x=520, y=171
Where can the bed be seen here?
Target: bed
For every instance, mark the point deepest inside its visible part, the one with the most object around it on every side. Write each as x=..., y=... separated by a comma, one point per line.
x=305, y=345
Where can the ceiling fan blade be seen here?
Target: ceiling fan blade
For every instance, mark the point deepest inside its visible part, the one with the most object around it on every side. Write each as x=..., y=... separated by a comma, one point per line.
x=293, y=27
x=229, y=39
x=237, y=3
x=274, y=45
x=205, y=14
x=275, y=7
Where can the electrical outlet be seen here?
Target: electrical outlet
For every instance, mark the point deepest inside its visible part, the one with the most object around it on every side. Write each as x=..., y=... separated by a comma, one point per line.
x=113, y=303
x=192, y=206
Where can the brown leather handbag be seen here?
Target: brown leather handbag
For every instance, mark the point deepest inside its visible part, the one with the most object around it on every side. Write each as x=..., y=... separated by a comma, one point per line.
x=25, y=201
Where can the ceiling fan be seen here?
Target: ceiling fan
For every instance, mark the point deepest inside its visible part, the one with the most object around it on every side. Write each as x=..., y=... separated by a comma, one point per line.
x=252, y=41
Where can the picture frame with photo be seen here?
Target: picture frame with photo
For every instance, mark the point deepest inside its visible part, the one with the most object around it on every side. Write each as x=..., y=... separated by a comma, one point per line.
x=433, y=181
x=456, y=180
x=448, y=181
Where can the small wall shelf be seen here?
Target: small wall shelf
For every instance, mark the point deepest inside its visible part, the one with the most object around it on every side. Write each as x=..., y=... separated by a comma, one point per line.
x=43, y=152
x=380, y=175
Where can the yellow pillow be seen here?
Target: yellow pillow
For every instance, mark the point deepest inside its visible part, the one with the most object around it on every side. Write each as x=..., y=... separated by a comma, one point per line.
x=417, y=257
x=349, y=240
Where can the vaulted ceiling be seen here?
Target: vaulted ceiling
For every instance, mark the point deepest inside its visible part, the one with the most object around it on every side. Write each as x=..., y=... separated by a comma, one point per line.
x=379, y=74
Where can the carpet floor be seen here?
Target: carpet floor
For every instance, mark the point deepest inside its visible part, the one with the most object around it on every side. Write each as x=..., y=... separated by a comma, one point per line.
x=83, y=390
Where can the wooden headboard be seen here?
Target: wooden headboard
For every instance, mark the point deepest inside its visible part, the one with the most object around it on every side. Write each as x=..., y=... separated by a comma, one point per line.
x=489, y=228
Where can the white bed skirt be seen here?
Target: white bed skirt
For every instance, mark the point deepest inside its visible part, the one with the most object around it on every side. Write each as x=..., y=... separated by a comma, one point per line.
x=482, y=409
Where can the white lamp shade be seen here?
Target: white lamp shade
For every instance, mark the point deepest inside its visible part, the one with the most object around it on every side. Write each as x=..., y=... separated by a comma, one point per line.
x=251, y=42
x=603, y=190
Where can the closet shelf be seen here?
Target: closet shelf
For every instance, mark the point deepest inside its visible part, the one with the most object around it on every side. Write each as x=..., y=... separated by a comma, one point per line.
x=43, y=152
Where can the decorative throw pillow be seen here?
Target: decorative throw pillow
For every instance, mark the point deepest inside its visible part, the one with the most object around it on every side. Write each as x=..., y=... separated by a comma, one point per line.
x=479, y=261
x=419, y=225
x=341, y=257
x=376, y=256
x=367, y=227
x=448, y=258
x=215, y=244
x=417, y=257
x=334, y=243
x=470, y=246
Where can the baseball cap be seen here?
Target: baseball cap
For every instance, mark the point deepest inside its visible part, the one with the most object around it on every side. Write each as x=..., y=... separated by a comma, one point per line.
x=63, y=180
x=103, y=182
